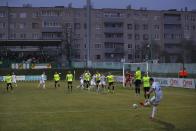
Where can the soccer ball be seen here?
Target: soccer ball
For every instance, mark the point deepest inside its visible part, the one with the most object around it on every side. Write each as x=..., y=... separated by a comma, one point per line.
x=135, y=106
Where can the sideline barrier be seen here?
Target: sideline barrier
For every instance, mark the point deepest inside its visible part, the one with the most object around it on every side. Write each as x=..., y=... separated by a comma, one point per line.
x=170, y=82
x=25, y=78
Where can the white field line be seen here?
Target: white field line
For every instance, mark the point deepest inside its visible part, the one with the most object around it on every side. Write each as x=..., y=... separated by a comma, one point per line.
x=98, y=110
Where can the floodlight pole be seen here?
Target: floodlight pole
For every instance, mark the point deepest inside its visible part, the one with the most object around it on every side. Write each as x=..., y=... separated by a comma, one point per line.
x=88, y=38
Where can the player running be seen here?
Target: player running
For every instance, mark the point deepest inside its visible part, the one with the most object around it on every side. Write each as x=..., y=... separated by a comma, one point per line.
x=138, y=76
x=155, y=100
x=14, y=79
x=8, y=80
x=42, y=81
x=69, y=78
x=56, y=79
x=110, y=80
x=146, y=86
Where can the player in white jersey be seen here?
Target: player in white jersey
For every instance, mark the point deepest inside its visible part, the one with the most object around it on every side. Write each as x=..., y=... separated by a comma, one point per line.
x=81, y=82
x=14, y=79
x=102, y=81
x=42, y=81
x=93, y=82
x=155, y=100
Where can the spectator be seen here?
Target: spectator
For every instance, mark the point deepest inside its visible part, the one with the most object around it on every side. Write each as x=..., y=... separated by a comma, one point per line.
x=183, y=73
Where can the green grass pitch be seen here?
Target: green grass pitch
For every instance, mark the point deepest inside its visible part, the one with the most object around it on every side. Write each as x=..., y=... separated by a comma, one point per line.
x=29, y=108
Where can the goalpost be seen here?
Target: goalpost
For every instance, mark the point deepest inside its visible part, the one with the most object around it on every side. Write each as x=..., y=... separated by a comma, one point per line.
x=144, y=67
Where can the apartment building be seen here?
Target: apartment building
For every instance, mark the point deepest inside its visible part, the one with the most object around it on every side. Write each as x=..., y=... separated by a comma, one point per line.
x=115, y=34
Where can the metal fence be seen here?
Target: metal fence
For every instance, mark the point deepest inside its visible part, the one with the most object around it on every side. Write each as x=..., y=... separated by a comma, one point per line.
x=153, y=67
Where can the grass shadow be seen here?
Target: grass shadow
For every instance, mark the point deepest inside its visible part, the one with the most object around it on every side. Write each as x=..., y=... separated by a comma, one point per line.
x=167, y=126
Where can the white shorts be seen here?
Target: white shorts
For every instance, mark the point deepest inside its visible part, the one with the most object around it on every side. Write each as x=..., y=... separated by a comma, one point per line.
x=81, y=82
x=93, y=83
x=155, y=100
x=102, y=83
x=42, y=82
x=14, y=81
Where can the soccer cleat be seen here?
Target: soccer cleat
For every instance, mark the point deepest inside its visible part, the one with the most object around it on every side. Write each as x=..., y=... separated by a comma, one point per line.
x=142, y=103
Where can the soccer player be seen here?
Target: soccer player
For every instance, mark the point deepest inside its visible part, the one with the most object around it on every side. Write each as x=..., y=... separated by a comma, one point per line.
x=87, y=77
x=81, y=82
x=69, y=78
x=98, y=77
x=93, y=82
x=8, y=80
x=110, y=80
x=128, y=79
x=138, y=76
x=14, y=79
x=155, y=100
x=146, y=85
x=102, y=81
x=42, y=81
x=56, y=79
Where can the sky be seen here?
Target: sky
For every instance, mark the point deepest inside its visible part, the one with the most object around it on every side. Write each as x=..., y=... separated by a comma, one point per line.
x=136, y=4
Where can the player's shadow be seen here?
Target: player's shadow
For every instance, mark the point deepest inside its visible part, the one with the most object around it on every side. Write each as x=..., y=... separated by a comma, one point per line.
x=167, y=126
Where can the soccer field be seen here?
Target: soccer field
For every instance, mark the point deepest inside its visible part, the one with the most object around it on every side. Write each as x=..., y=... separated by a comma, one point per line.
x=30, y=108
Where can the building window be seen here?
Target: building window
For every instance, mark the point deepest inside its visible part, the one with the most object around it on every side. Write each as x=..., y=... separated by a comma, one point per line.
x=77, y=26
x=98, y=46
x=12, y=36
x=145, y=37
x=129, y=46
x=35, y=25
x=193, y=27
x=137, y=37
x=129, y=56
x=22, y=25
x=156, y=27
x=35, y=36
x=98, y=57
x=129, y=26
x=2, y=35
x=137, y=26
x=3, y=14
x=23, y=15
x=2, y=25
x=129, y=36
x=145, y=26
x=23, y=36
x=13, y=15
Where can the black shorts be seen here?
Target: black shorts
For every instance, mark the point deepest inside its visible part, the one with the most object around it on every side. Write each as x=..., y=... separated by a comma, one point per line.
x=56, y=81
x=69, y=82
x=111, y=83
x=9, y=84
x=98, y=81
x=137, y=83
x=146, y=89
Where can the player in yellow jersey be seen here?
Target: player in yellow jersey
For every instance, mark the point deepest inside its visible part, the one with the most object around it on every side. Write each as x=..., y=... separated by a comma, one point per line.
x=138, y=77
x=8, y=80
x=146, y=85
x=69, y=78
x=110, y=81
x=56, y=79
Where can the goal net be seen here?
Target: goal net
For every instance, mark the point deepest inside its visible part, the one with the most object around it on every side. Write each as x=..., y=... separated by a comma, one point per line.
x=132, y=67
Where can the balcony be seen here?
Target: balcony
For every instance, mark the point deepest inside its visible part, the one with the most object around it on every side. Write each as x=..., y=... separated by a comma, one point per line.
x=117, y=40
